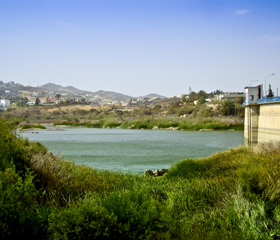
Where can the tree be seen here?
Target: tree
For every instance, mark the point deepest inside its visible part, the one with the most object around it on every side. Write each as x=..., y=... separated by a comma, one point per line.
x=201, y=100
x=227, y=108
x=57, y=96
x=37, y=101
x=22, y=102
x=193, y=96
x=201, y=93
x=217, y=92
x=239, y=110
x=175, y=104
x=270, y=93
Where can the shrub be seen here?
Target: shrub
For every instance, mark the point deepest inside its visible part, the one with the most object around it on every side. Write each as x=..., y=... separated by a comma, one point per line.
x=56, y=112
x=84, y=220
x=142, y=111
x=184, y=110
x=171, y=110
x=33, y=126
x=204, y=111
x=239, y=110
x=81, y=112
x=227, y=108
x=135, y=210
x=11, y=150
x=201, y=100
x=18, y=206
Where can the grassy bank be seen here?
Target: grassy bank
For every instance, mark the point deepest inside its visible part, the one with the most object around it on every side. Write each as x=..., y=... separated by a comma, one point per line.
x=194, y=123
x=26, y=127
x=233, y=194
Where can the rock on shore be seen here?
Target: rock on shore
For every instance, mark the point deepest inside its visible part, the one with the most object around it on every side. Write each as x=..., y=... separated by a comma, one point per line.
x=157, y=173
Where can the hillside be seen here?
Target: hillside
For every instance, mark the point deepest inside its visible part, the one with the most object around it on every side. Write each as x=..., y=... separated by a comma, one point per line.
x=72, y=90
x=61, y=89
x=107, y=94
x=112, y=95
x=154, y=95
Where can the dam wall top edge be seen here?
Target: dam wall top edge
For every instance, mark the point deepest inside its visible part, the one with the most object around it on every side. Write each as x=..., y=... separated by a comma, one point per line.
x=262, y=101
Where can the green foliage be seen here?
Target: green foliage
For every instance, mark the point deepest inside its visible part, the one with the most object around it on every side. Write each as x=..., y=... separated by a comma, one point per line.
x=136, y=211
x=239, y=110
x=156, y=109
x=149, y=122
x=175, y=104
x=94, y=111
x=201, y=93
x=145, y=111
x=171, y=110
x=33, y=126
x=188, y=169
x=81, y=112
x=184, y=110
x=201, y=100
x=205, y=111
x=111, y=123
x=250, y=216
x=84, y=220
x=227, y=108
x=19, y=216
x=37, y=101
x=56, y=113
x=11, y=150
x=193, y=96
x=270, y=92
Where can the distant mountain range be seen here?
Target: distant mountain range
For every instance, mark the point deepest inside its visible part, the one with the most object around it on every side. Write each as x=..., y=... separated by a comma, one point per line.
x=107, y=94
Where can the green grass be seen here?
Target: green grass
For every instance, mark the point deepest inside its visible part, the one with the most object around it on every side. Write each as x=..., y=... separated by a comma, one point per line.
x=97, y=124
x=233, y=194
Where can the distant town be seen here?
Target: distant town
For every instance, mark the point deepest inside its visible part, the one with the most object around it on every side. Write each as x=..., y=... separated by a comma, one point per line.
x=14, y=95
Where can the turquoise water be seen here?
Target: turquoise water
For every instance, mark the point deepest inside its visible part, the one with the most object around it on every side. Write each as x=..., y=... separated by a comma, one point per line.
x=134, y=151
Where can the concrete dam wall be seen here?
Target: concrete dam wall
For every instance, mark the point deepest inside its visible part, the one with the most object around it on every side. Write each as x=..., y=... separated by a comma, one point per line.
x=262, y=122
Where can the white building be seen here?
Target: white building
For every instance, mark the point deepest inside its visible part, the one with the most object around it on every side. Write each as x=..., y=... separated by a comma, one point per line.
x=252, y=94
x=5, y=103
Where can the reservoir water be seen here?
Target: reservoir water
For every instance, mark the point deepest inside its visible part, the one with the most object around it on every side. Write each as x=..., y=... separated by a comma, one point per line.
x=134, y=151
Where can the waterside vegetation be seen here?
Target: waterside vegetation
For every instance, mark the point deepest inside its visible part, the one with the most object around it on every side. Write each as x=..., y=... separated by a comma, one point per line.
x=233, y=194
x=172, y=114
x=194, y=123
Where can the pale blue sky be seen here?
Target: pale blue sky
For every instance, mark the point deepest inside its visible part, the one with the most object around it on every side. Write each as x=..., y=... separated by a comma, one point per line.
x=141, y=47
